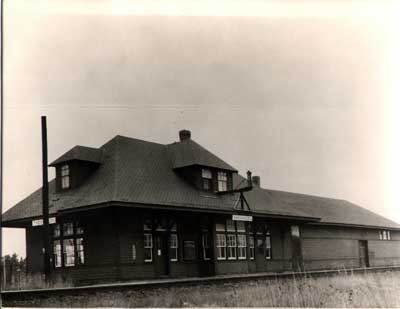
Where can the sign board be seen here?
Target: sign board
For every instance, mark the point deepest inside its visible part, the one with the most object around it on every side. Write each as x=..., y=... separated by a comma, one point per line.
x=242, y=218
x=39, y=222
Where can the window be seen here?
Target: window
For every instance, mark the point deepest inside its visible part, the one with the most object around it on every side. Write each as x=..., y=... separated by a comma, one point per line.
x=221, y=247
x=57, y=253
x=68, y=229
x=148, y=247
x=384, y=235
x=68, y=244
x=173, y=248
x=206, y=246
x=134, y=252
x=230, y=225
x=189, y=250
x=267, y=243
x=206, y=176
x=222, y=181
x=56, y=231
x=80, y=251
x=241, y=227
x=65, y=177
x=231, y=241
x=69, y=252
x=241, y=239
x=220, y=227
x=251, y=247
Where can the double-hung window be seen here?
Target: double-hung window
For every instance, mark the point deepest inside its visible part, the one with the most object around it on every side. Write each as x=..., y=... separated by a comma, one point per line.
x=221, y=247
x=241, y=240
x=173, y=248
x=68, y=244
x=384, y=235
x=268, y=254
x=65, y=181
x=148, y=247
x=231, y=241
x=206, y=176
x=206, y=245
x=222, y=181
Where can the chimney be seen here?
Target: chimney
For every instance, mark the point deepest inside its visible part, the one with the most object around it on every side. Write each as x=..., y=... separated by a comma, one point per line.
x=256, y=181
x=184, y=135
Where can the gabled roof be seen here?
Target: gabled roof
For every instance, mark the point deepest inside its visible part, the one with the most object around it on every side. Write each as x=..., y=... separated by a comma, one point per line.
x=137, y=172
x=81, y=153
x=188, y=152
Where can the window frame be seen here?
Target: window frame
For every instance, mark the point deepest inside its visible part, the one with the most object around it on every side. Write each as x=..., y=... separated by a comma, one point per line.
x=222, y=181
x=65, y=176
x=221, y=246
x=206, y=179
x=206, y=244
x=240, y=247
x=175, y=247
x=73, y=234
x=148, y=245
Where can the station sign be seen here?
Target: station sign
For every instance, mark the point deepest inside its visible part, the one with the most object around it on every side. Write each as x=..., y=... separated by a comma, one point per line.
x=242, y=218
x=39, y=222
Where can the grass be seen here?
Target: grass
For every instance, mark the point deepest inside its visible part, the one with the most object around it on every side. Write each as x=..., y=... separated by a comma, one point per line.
x=340, y=291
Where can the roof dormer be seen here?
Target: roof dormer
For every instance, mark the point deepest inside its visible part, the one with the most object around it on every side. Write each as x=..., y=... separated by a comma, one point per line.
x=198, y=166
x=75, y=166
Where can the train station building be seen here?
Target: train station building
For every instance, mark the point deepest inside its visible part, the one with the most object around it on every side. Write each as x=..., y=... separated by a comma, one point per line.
x=133, y=209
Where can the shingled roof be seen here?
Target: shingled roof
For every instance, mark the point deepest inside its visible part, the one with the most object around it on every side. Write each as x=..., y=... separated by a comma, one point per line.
x=188, y=152
x=81, y=153
x=137, y=172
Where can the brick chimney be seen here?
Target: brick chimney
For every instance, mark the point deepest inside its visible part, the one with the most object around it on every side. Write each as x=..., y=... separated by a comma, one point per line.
x=184, y=135
x=256, y=181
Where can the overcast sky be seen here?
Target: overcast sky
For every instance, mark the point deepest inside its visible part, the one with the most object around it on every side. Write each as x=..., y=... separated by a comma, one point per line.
x=301, y=95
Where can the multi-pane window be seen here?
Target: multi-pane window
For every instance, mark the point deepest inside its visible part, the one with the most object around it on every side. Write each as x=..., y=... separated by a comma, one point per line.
x=65, y=183
x=57, y=253
x=173, y=248
x=68, y=244
x=206, y=246
x=221, y=247
x=69, y=252
x=80, y=253
x=206, y=176
x=384, y=235
x=241, y=241
x=230, y=225
x=268, y=254
x=189, y=250
x=251, y=247
x=222, y=181
x=231, y=242
x=148, y=247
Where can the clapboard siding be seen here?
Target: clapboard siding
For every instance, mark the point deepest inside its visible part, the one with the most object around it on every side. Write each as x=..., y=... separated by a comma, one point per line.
x=327, y=247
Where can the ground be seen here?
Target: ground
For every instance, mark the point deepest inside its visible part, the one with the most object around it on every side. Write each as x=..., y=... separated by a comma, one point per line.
x=346, y=290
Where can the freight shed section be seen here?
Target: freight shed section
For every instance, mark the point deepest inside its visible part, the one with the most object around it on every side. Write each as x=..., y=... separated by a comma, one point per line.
x=330, y=247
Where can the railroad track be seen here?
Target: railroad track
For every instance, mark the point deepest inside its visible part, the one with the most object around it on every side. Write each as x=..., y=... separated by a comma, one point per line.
x=9, y=297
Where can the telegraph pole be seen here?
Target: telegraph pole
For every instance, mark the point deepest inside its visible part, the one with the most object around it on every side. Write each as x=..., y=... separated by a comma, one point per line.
x=45, y=203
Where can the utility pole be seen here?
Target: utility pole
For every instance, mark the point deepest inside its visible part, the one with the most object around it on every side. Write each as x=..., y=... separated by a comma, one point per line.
x=45, y=203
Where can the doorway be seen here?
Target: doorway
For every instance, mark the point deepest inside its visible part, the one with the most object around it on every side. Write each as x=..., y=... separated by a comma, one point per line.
x=161, y=259
x=363, y=253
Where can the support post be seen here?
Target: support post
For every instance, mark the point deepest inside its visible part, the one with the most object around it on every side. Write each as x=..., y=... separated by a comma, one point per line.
x=45, y=203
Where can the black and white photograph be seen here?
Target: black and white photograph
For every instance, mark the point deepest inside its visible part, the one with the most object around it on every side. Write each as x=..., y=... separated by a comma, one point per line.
x=169, y=154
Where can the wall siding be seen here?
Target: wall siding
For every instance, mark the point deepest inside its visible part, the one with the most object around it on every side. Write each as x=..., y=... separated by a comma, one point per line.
x=329, y=247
